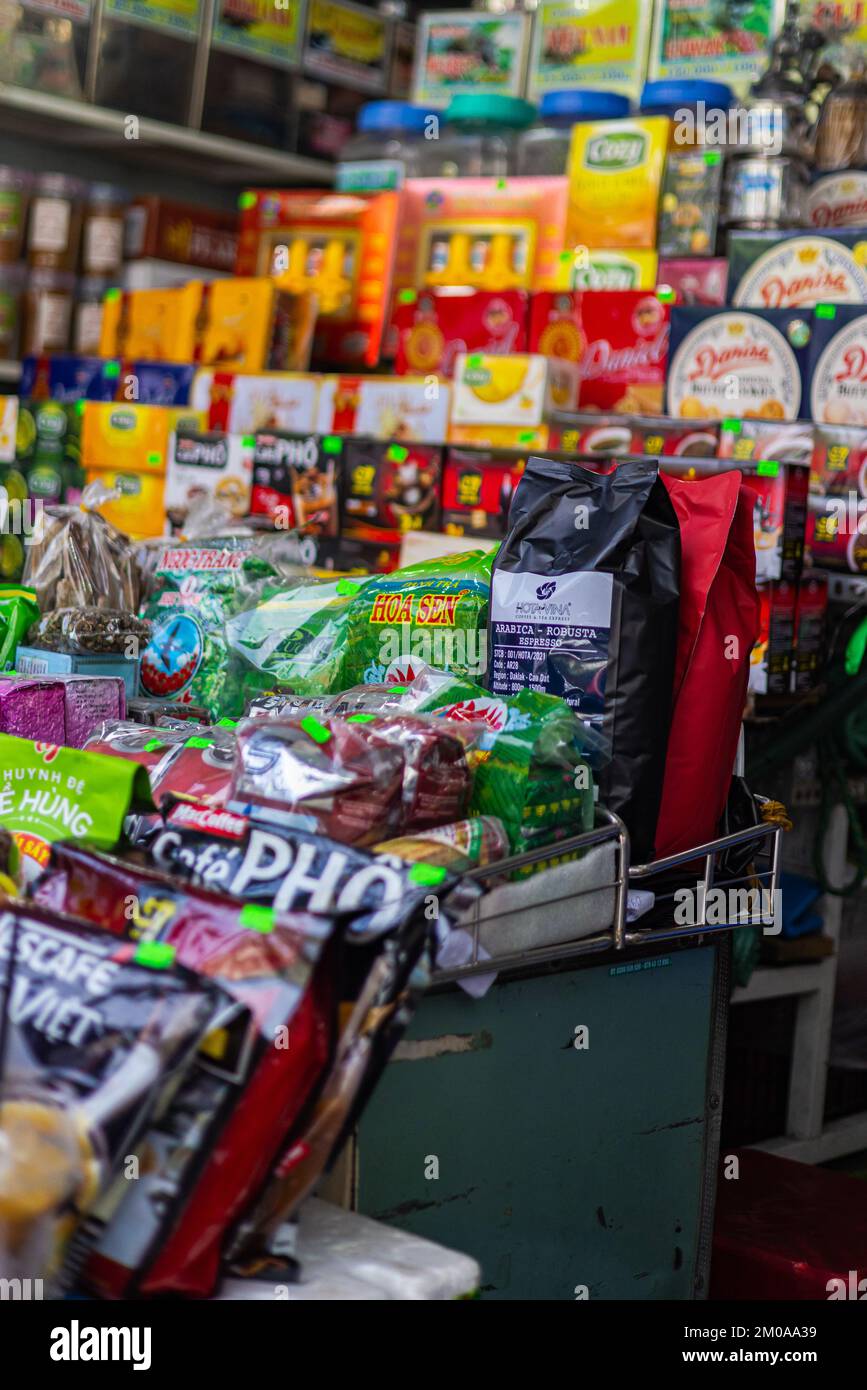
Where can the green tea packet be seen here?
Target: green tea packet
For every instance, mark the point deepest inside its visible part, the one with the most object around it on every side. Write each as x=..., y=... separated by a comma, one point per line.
x=50, y=793
x=430, y=614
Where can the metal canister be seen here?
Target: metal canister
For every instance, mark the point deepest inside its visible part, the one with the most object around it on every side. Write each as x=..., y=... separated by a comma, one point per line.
x=765, y=191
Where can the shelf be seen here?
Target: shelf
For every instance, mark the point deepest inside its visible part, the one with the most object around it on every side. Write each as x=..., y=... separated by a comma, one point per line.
x=10, y=371
x=77, y=125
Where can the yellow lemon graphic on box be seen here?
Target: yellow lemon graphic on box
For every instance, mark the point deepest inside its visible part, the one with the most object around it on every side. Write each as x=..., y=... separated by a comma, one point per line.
x=494, y=380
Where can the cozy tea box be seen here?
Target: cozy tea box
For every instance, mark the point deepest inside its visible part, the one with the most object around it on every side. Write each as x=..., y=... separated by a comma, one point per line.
x=520, y=390
x=126, y=448
x=797, y=269
x=736, y=362
x=615, y=173
x=617, y=338
x=837, y=365
x=612, y=268
x=432, y=326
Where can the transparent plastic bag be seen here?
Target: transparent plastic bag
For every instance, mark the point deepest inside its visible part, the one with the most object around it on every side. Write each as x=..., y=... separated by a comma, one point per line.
x=332, y=776
x=79, y=560
x=85, y=630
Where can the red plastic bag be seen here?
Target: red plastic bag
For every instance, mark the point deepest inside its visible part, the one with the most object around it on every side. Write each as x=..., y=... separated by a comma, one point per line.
x=719, y=617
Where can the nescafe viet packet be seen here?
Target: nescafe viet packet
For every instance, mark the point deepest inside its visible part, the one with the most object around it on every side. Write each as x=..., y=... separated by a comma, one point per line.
x=205, y=1154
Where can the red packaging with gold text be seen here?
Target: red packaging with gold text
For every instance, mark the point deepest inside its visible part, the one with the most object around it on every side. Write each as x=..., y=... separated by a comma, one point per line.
x=619, y=338
x=433, y=326
x=477, y=490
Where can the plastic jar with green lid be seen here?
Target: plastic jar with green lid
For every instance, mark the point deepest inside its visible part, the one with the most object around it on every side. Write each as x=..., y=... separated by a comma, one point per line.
x=15, y=185
x=477, y=137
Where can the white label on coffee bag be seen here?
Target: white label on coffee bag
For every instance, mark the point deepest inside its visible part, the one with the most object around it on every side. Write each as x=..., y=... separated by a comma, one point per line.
x=804, y=271
x=551, y=634
x=838, y=394
x=840, y=200
x=734, y=364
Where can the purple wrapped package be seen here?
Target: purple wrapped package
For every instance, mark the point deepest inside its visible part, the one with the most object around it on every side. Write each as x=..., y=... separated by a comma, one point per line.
x=34, y=709
x=89, y=701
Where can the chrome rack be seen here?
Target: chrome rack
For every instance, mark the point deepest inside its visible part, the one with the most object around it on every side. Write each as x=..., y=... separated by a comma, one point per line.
x=555, y=914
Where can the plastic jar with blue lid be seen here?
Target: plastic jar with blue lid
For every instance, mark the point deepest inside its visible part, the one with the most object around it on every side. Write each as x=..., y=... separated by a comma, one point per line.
x=698, y=110
x=386, y=148
x=477, y=137
x=544, y=148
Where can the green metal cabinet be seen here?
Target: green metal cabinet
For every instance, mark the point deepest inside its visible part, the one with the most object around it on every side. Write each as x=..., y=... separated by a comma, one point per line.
x=561, y=1168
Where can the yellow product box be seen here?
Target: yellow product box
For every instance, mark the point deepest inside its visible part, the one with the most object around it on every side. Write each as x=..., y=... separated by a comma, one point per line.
x=249, y=324
x=125, y=447
x=152, y=325
x=500, y=436
x=516, y=389
x=615, y=269
x=615, y=172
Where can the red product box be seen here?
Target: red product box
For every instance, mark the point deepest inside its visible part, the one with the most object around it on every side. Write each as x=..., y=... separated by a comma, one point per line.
x=772, y=657
x=659, y=435
x=753, y=440
x=837, y=531
x=811, y=615
x=433, y=326
x=477, y=492
x=183, y=232
x=780, y=493
x=393, y=486
x=619, y=338
x=699, y=280
x=839, y=461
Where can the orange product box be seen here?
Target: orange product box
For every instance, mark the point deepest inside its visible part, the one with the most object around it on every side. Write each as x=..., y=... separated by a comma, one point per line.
x=337, y=246
x=489, y=234
x=126, y=448
x=152, y=325
x=249, y=324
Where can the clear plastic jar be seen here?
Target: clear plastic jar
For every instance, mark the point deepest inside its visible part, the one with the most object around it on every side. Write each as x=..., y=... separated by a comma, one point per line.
x=15, y=185
x=385, y=149
x=11, y=287
x=544, y=148
x=47, y=317
x=698, y=111
x=87, y=329
x=54, y=229
x=102, y=237
x=476, y=137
